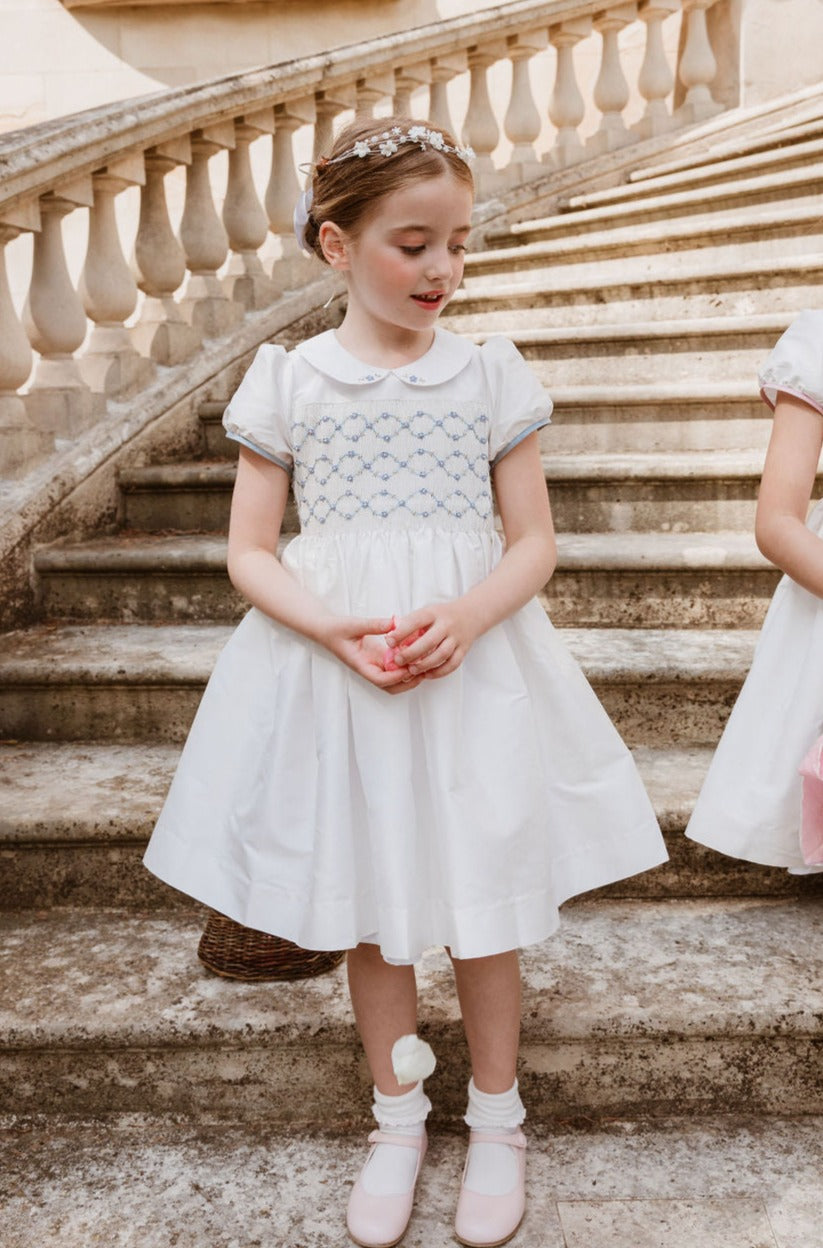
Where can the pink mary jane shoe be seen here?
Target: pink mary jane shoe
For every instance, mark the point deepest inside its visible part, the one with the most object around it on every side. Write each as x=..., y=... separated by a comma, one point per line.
x=484, y=1221
x=381, y=1221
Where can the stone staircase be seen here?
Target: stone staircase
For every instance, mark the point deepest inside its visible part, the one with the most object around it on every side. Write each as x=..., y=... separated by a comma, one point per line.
x=687, y=992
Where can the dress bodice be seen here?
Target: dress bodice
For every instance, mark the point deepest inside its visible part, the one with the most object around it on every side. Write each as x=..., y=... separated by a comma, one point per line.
x=419, y=461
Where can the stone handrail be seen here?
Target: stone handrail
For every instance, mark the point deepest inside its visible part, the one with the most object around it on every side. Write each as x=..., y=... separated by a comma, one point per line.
x=85, y=344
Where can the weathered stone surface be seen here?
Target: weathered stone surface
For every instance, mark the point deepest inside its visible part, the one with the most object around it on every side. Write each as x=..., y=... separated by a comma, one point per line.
x=632, y=1007
x=138, y=682
x=75, y=819
x=137, y=1180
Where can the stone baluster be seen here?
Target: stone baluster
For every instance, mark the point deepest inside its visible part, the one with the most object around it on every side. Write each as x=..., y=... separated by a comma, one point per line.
x=205, y=304
x=443, y=69
x=21, y=443
x=566, y=106
x=59, y=401
x=289, y=263
x=160, y=263
x=656, y=78
x=522, y=120
x=327, y=105
x=245, y=219
x=698, y=67
x=480, y=129
x=371, y=90
x=111, y=365
x=407, y=79
x=611, y=90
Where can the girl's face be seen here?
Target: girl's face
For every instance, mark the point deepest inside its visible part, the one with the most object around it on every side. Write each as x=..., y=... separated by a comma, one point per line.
x=406, y=262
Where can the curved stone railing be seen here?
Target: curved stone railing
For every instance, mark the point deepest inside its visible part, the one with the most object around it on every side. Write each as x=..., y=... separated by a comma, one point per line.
x=76, y=349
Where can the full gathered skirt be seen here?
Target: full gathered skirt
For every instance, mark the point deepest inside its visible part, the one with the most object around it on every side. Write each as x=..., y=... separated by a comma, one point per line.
x=314, y=806
x=749, y=806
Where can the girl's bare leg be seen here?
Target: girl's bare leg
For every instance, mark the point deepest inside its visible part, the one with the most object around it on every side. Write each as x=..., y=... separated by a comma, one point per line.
x=489, y=993
x=384, y=999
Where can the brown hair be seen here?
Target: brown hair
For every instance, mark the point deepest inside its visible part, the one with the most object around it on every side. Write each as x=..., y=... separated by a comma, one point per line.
x=348, y=192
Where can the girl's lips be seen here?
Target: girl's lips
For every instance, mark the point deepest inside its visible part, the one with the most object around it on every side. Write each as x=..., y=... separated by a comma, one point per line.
x=430, y=298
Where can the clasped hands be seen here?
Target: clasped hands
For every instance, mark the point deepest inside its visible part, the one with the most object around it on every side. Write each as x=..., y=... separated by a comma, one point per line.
x=397, y=654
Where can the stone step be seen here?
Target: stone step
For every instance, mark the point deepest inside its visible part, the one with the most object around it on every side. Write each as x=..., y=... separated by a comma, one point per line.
x=638, y=203
x=713, y=580
x=626, y=356
x=663, y=417
x=527, y=246
x=632, y=1007
x=655, y=492
x=768, y=136
x=723, y=1181
x=620, y=543
x=776, y=161
x=692, y=414
x=170, y=494
x=784, y=285
x=214, y=435
x=139, y=577
x=142, y=682
x=76, y=817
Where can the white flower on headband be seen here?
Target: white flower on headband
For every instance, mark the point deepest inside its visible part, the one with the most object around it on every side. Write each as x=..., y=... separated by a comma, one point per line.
x=412, y=1059
x=389, y=141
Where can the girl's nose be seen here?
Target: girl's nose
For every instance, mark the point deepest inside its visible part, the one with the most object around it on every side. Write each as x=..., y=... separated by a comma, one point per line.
x=439, y=263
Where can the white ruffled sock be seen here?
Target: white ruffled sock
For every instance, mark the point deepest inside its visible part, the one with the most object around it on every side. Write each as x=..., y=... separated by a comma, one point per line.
x=492, y=1168
x=391, y=1168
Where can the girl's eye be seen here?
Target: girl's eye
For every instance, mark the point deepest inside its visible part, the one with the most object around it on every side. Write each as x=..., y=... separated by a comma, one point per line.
x=413, y=251
x=456, y=248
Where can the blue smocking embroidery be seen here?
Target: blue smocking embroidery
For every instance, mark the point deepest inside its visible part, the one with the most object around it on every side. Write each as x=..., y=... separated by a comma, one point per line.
x=391, y=463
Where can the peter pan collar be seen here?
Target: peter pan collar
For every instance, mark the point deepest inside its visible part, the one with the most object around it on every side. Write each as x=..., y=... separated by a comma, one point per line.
x=446, y=357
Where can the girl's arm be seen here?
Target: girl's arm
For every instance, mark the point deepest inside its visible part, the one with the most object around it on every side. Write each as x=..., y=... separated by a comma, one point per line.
x=786, y=487
x=258, y=505
x=527, y=564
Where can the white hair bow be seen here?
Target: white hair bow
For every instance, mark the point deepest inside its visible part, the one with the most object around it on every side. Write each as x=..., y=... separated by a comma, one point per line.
x=301, y=219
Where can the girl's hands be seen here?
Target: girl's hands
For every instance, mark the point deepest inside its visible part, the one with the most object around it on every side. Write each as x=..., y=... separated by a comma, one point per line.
x=361, y=645
x=434, y=640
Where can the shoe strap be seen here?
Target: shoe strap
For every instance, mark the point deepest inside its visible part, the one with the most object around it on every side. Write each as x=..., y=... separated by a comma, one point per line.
x=403, y=1141
x=514, y=1140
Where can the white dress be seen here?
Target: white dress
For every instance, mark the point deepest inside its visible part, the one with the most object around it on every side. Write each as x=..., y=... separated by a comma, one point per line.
x=310, y=804
x=749, y=806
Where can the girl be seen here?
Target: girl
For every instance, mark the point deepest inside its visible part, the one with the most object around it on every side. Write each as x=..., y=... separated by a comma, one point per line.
x=750, y=804
x=395, y=751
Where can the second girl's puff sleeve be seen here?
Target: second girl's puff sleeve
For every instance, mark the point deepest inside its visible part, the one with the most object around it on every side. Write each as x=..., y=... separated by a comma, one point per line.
x=256, y=413
x=795, y=366
x=519, y=404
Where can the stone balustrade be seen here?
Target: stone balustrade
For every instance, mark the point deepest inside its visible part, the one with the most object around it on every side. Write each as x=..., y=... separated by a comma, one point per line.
x=74, y=350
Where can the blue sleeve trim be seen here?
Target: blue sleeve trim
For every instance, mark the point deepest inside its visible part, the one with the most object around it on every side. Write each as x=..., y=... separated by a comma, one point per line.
x=538, y=424
x=272, y=458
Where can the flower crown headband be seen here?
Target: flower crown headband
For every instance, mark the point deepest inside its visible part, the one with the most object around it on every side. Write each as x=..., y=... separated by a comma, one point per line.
x=384, y=144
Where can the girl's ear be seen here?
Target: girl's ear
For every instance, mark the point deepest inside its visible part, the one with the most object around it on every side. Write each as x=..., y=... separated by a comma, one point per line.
x=333, y=242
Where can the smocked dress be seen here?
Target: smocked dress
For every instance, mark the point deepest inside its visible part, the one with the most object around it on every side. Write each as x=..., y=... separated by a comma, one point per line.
x=749, y=806
x=310, y=804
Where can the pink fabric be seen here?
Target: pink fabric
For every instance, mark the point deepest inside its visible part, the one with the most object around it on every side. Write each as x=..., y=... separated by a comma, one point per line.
x=811, y=805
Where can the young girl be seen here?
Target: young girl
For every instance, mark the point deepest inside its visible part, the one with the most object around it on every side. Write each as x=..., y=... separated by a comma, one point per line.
x=395, y=750
x=750, y=804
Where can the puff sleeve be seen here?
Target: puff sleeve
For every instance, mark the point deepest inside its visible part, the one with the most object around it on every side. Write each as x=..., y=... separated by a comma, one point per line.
x=519, y=404
x=795, y=366
x=256, y=415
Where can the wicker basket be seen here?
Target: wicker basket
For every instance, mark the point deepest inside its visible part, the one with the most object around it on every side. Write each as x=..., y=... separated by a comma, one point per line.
x=238, y=952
